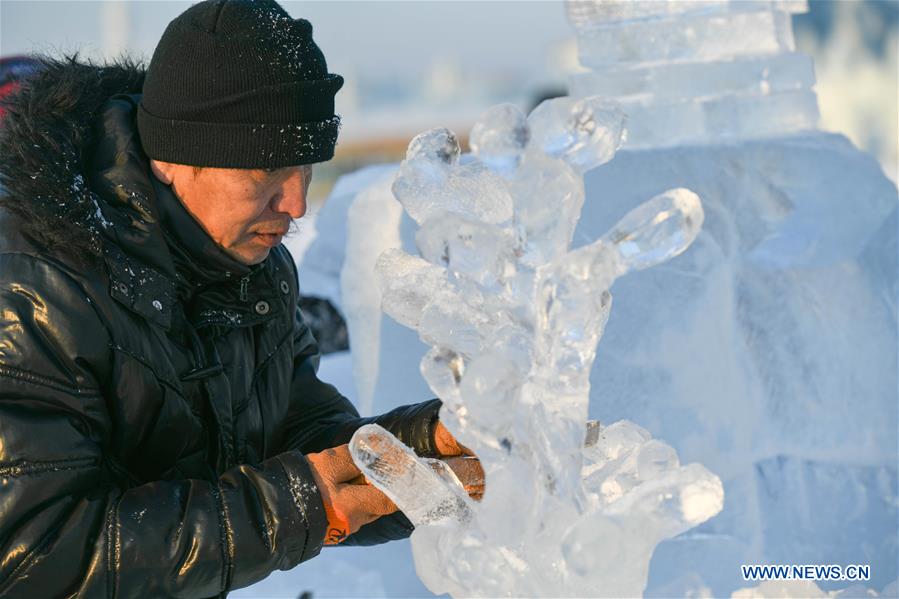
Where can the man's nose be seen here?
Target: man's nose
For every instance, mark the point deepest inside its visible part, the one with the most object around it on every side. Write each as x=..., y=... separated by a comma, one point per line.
x=292, y=199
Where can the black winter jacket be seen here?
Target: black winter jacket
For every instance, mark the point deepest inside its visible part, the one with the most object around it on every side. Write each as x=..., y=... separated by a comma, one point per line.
x=156, y=397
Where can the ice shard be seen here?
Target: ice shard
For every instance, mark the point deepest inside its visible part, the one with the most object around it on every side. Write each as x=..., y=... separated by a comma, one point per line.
x=428, y=490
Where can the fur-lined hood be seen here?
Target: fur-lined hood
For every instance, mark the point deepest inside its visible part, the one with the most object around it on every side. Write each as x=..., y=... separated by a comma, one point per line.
x=45, y=145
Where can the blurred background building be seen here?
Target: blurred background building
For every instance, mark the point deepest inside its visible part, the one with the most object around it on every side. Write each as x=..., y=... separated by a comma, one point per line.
x=410, y=66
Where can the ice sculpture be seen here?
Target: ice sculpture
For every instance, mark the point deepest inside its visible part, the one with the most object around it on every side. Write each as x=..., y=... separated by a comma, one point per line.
x=769, y=350
x=513, y=317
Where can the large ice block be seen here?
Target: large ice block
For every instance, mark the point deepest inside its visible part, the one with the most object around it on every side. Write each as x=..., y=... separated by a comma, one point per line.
x=670, y=83
x=689, y=37
x=775, y=335
x=720, y=118
x=695, y=72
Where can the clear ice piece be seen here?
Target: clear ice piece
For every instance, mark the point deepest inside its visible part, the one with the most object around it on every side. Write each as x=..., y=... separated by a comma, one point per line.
x=585, y=133
x=451, y=323
x=500, y=137
x=657, y=230
x=438, y=146
x=667, y=124
x=425, y=495
x=427, y=188
x=443, y=368
x=408, y=283
x=491, y=387
x=676, y=501
x=572, y=307
x=481, y=252
x=549, y=196
x=624, y=457
x=613, y=441
x=654, y=459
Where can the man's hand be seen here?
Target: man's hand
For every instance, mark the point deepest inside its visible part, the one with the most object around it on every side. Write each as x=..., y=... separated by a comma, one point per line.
x=348, y=506
x=461, y=460
x=446, y=443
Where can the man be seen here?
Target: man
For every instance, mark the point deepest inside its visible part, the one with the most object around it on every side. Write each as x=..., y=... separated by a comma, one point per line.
x=163, y=432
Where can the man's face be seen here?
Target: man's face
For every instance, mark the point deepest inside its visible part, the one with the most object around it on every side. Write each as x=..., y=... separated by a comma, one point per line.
x=246, y=212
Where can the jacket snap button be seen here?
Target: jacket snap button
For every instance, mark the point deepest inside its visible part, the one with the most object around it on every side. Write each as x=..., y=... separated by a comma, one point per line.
x=158, y=305
x=262, y=307
x=285, y=288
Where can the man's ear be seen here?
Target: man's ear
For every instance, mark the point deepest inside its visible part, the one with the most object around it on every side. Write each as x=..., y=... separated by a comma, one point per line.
x=163, y=171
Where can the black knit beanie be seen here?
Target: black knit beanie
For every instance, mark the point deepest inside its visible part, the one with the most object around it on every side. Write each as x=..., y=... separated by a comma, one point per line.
x=238, y=84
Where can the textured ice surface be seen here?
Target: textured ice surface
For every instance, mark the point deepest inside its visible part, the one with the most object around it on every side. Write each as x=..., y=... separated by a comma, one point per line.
x=469, y=248
x=414, y=282
x=500, y=137
x=513, y=317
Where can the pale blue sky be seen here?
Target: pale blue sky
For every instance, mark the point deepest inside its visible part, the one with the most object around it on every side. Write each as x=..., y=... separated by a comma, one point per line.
x=389, y=38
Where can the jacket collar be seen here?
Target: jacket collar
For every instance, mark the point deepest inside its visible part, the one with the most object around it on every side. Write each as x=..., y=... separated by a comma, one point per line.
x=196, y=256
x=156, y=252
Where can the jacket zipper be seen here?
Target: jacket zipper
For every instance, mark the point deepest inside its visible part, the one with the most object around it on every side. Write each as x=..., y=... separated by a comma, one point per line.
x=244, y=285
